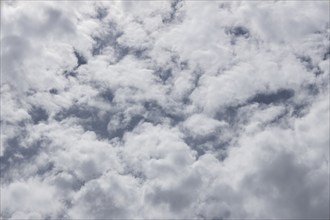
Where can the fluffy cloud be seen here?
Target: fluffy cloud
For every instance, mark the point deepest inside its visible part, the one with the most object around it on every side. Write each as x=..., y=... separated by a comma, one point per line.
x=168, y=110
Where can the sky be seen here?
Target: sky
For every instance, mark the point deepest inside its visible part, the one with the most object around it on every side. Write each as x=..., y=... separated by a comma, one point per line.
x=165, y=109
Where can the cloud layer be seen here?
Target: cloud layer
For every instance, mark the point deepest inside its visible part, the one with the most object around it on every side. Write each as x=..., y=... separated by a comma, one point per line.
x=165, y=110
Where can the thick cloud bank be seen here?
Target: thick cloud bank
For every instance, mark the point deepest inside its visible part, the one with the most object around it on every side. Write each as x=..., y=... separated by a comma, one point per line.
x=165, y=110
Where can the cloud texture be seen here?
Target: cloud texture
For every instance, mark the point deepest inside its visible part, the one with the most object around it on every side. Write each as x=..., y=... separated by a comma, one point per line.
x=165, y=110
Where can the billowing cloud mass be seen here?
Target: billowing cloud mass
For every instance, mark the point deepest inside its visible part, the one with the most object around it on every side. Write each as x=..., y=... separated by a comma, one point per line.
x=165, y=109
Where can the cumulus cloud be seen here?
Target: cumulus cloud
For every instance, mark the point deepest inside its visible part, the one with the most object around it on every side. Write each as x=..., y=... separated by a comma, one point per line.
x=164, y=110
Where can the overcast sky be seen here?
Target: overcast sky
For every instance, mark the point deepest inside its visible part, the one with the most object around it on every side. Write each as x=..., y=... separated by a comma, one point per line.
x=165, y=110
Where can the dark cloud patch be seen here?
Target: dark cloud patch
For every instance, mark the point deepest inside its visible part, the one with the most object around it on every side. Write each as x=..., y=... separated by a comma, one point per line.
x=197, y=73
x=280, y=119
x=97, y=125
x=81, y=60
x=317, y=71
x=238, y=31
x=99, y=45
x=177, y=62
x=326, y=55
x=174, y=66
x=224, y=6
x=101, y=13
x=88, y=118
x=17, y=154
x=109, y=125
x=196, y=140
x=307, y=62
x=110, y=40
x=107, y=95
x=156, y=114
x=229, y=114
x=30, y=92
x=139, y=53
x=200, y=144
x=133, y=122
x=163, y=74
x=38, y=114
x=184, y=65
x=211, y=142
x=299, y=110
x=70, y=73
x=121, y=52
x=75, y=111
x=66, y=185
x=279, y=96
x=312, y=89
x=123, y=125
x=45, y=169
x=174, y=15
x=53, y=91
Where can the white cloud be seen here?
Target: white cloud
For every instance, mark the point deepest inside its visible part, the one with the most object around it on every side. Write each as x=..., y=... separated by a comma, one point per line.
x=113, y=196
x=201, y=125
x=171, y=109
x=32, y=198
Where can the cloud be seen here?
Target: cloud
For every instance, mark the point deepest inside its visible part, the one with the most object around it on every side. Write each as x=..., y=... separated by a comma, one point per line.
x=31, y=199
x=171, y=109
